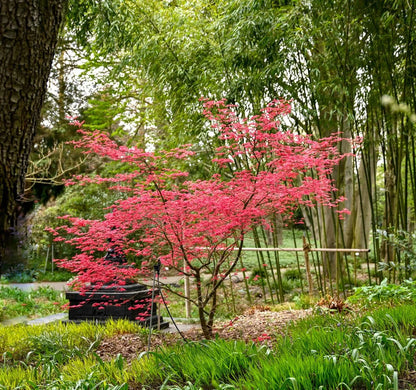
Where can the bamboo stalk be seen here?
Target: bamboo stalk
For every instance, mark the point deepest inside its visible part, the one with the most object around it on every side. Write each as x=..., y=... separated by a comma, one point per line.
x=262, y=284
x=277, y=260
x=258, y=245
x=224, y=290
x=232, y=295
x=269, y=259
x=297, y=261
x=320, y=279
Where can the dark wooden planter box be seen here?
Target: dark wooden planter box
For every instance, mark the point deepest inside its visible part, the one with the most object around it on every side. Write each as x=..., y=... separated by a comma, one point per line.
x=130, y=302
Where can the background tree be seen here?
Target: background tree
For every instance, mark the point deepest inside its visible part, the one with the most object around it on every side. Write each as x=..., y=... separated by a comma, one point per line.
x=28, y=35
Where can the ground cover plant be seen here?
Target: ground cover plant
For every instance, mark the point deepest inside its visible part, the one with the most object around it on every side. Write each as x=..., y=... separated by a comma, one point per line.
x=34, y=273
x=198, y=227
x=385, y=292
x=373, y=350
x=31, y=304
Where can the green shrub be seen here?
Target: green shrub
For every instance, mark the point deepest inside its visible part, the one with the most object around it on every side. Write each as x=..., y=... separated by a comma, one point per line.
x=258, y=276
x=384, y=292
x=294, y=274
x=14, y=293
x=329, y=351
x=18, y=274
x=303, y=301
x=59, y=275
x=334, y=355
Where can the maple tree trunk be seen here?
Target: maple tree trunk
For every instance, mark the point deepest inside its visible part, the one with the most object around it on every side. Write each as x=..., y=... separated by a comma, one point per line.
x=201, y=313
x=28, y=35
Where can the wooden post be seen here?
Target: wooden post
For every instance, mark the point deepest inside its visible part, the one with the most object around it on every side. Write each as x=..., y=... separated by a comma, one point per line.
x=158, y=310
x=52, y=258
x=46, y=260
x=187, y=288
x=306, y=250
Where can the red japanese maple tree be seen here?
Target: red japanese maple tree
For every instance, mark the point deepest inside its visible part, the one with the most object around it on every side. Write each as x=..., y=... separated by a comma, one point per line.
x=198, y=227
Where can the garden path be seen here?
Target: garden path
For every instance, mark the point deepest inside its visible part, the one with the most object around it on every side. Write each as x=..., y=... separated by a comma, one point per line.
x=61, y=286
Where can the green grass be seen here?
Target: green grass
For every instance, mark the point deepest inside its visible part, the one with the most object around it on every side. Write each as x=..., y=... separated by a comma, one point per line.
x=59, y=275
x=329, y=351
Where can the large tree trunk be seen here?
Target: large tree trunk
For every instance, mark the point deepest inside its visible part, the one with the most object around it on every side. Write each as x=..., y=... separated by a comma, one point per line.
x=28, y=35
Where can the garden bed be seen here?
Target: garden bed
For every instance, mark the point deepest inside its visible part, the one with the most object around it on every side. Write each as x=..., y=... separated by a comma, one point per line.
x=256, y=324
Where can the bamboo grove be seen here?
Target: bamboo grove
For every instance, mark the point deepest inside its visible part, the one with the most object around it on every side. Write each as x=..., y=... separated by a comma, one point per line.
x=347, y=66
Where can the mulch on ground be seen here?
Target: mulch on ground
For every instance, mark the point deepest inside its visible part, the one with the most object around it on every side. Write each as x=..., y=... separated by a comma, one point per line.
x=256, y=324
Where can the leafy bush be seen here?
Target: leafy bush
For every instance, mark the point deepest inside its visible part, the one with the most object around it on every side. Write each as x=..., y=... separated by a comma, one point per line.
x=18, y=274
x=258, y=276
x=294, y=274
x=89, y=201
x=384, y=292
x=303, y=301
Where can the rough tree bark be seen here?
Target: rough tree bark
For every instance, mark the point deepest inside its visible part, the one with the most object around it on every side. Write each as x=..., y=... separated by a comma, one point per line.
x=28, y=35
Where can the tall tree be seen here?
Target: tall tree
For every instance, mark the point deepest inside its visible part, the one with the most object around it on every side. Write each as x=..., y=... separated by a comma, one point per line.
x=28, y=36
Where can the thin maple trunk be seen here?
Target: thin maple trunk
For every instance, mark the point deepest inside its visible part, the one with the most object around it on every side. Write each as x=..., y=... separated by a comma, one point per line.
x=211, y=315
x=201, y=306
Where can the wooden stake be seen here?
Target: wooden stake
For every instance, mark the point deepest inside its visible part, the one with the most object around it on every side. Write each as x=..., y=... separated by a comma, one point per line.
x=187, y=287
x=306, y=250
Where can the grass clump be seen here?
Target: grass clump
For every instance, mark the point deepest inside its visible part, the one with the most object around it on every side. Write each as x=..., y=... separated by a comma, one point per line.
x=208, y=363
x=18, y=377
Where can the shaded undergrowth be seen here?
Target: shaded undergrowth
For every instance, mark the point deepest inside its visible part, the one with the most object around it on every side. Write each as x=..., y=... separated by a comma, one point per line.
x=37, y=303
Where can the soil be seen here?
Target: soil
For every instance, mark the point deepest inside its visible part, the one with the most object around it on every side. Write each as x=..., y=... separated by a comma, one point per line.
x=257, y=324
